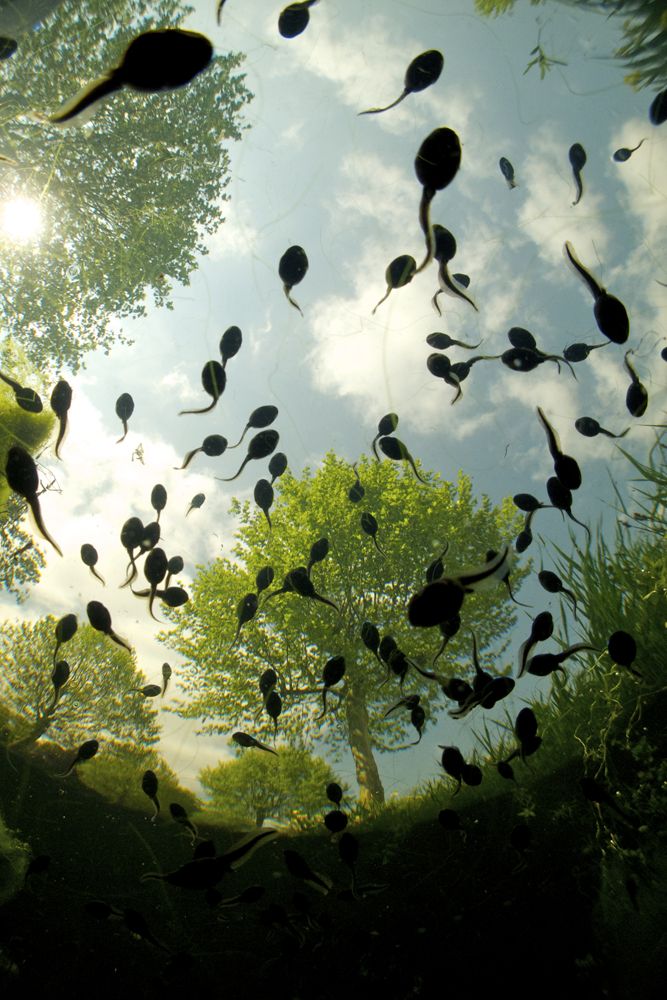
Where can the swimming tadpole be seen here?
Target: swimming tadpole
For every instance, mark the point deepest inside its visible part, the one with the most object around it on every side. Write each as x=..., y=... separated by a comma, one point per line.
x=399, y=273
x=554, y=585
x=657, y=112
x=636, y=398
x=264, y=578
x=26, y=398
x=334, y=671
x=319, y=550
x=370, y=527
x=579, y=352
x=213, y=446
x=610, y=313
x=393, y=448
x=441, y=341
x=197, y=501
x=261, y=446
x=154, y=61
x=230, y=344
x=277, y=465
x=436, y=165
x=292, y=268
x=301, y=584
x=566, y=468
x=213, y=380
x=100, y=619
x=386, y=425
x=246, y=609
x=155, y=570
x=507, y=170
x=440, y=366
x=262, y=417
x=206, y=872
x=149, y=786
x=65, y=630
x=61, y=400
x=589, y=427
x=423, y=72
x=124, y=410
x=624, y=153
x=293, y=20
x=22, y=478
x=86, y=751
x=158, y=499
x=356, y=491
x=561, y=498
x=263, y=496
x=245, y=740
x=444, y=251
x=577, y=157
x=89, y=558
x=166, y=674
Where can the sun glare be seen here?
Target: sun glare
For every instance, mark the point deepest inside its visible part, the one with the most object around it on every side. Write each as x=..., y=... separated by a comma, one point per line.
x=21, y=220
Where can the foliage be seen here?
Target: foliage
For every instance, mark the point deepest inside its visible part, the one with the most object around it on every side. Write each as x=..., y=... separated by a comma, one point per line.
x=97, y=701
x=296, y=636
x=127, y=198
x=257, y=785
x=13, y=863
x=116, y=774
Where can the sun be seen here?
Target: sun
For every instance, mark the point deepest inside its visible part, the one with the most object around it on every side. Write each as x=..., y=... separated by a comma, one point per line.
x=21, y=220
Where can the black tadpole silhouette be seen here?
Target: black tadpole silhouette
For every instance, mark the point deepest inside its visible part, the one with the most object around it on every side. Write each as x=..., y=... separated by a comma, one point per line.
x=334, y=671
x=293, y=20
x=100, y=619
x=422, y=72
x=636, y=398
x=264, y=578
x=263, y=495
x=153, y=61
x=319, y=550
x=213, y=380
x=131, y=535
x=86, y=751
x=610, y=313
x=623, y=154
x=292, y=268
x=507, y=170
x=89, y=558
x=394, y=449
x=589, y=427
x=436, y=165
x=124, y=410
x=577, y=157
x=657, y=112
x=386, y=425
x=561, y=498
x=444, y=251
x=26, y=398
x=370, y=526
x=213, y=446
x=277, y=465
x=399, y=273
x=579, y=352
x=356, y=492
x=246, y=609
x=262, y=417
x=22, y=477
x=554, y=585
x=61, y=400
x=64, y=631
x=441, y=341
x=196, y=502
x=158, y=499
x=261, y=446
x=230, y=344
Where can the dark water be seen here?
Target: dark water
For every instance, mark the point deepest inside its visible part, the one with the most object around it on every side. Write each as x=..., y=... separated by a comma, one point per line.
x=201, y=256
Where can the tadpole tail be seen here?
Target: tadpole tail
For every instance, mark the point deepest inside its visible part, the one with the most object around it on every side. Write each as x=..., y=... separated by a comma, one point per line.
x=579, y=186
x=94, y=92
x=124, y=423
x=581, y=523
x=151, y=598
x=287, y=289
x=266, y=515
x=117, y=639
x=414, y=469
x=428, y=194
x=325, y=600
x=459, y=393
x=186, y=461
x=205, y=409
x=37, y=514
x=375, y=542
x=96, y=574
x=230, y=446
x=595, y=289
x=61, y=435
x=373, y=445
x=156, y=807
x=230, y=478
x=610, y=435
x=378, y=111
x=131, y=573
x=446, y=280
x=383, y=299
x=434, y=302
x=324, y=705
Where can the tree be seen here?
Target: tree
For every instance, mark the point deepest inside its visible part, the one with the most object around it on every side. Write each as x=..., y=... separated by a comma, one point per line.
x=98, y=700
x=127, y=198
x=258, y=785
x=295, y=636
x=644, y=31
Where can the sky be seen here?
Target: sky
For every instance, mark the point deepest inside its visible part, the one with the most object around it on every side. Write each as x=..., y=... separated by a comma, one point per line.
x=310, y=171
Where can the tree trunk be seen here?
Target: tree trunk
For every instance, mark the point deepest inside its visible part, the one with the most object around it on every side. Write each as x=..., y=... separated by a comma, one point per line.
x=39, y=728
x=371, y=792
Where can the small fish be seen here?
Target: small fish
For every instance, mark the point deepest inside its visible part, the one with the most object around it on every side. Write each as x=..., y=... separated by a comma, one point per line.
x=206, y=872
x=244, y=740
x=230, y=344
x=264, y=578
x=213, y=445
x=214, y=381
x=386, y=425
x=636, y=398
x=262, y=417
x=334, y=671
x=22, y=478
x=623, y=154
x=297, y=866
x=293, y=20
x=579, y=352
x=100, y=619
x=610, y=313
x=153, y=61
x=166, y=674
x=589, y=427
x=86, y=751
x=89, y=558
x=399, y=273
x=158, y=499
x=124, y=410
x=263, y=496
x=334, y=793
x=657, y=112
x=436, y=165
x=622, y=649
x=180, y=816
x=507, y=170
x=246, y=609
x=561, y=498
x=566, y=468
x=274, y=706
x=260, y=446
x=149, y=786
x=292, y=268
x=554, y=585
x=577, y=157
x=149, y=690
x=61, y=400
x=441, y=341
x=394, y=449
x=370, y=526
x=197, y=501
x=422, y=72
x=277, y=465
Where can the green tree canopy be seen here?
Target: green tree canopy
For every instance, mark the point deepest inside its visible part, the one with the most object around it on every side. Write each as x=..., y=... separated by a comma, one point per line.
x=257, y=785
x=98, y=700
x=127, y=198
x=295, y=636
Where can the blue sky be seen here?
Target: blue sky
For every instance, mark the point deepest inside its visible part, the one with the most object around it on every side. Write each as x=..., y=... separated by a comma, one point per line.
x=310, y=171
